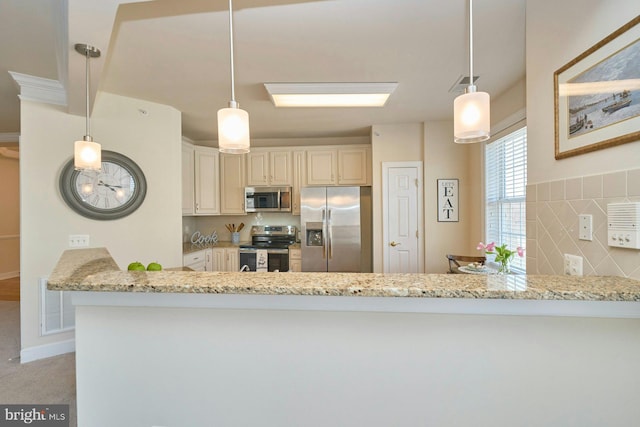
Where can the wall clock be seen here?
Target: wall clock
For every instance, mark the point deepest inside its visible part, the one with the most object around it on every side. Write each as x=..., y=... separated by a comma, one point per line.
x=113, y=192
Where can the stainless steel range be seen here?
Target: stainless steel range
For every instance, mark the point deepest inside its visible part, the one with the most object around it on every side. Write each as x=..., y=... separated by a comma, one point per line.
x=269, y=248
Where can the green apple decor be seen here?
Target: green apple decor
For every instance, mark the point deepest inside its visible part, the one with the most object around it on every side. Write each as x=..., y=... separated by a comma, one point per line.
x=154, y=266
x=136, y=266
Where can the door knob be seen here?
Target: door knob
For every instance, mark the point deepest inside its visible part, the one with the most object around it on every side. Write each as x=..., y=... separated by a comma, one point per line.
x=394, y=244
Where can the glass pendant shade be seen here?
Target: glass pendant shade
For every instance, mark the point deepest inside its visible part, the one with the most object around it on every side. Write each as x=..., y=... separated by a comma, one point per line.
x=233, y=131
x=87, y=155
x=471, y=118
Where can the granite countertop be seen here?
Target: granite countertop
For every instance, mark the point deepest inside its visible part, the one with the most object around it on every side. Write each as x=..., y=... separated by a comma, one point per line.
x=295, y=246
x=95, y=270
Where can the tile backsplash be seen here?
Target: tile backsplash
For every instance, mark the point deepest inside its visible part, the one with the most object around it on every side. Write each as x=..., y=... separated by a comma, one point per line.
x=552, y=224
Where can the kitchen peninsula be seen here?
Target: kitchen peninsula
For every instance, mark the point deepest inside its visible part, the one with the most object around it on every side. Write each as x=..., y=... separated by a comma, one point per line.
x=177, y=348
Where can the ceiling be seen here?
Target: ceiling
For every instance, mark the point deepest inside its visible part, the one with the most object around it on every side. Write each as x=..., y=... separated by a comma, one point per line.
x=176, y=52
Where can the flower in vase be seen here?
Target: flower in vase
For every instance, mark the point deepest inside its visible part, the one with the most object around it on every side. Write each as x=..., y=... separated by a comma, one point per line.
x=503, y=255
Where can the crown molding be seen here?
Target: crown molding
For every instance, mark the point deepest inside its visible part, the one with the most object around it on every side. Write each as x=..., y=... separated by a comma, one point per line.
x=40, y=89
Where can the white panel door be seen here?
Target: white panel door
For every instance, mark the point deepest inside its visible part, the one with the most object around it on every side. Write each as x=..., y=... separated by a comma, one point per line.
x=402, y=221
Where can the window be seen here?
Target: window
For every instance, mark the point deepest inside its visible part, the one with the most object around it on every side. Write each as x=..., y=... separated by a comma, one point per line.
x=506, y=181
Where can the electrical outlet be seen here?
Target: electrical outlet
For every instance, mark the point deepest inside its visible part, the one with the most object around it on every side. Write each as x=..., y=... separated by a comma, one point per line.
x=572, y=265
x=78, y=240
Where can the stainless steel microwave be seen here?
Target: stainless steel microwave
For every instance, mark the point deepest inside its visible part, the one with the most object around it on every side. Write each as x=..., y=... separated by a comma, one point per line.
x=267, y=199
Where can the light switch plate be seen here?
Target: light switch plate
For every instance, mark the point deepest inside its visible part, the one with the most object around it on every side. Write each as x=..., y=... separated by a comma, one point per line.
x=585, y=224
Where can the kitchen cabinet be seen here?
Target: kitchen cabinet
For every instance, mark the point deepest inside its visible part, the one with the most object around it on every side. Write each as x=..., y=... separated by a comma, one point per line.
x=353, y=165
x=295, y=259
x=299, y=179
x=225, y=259
x=322, y=165
x=348, y=165
x=232, y=183
x=188, y=175
x=207, y=181
x=198, y=260
x=269, y=167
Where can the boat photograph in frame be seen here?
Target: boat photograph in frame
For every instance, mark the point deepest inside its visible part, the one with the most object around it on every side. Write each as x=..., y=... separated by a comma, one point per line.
x=597, y=95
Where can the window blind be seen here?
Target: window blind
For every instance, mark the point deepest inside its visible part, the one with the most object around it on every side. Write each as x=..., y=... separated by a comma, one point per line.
x=505, y=189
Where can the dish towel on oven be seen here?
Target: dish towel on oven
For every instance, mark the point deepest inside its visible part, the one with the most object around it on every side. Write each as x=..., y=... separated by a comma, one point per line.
x=262, y=260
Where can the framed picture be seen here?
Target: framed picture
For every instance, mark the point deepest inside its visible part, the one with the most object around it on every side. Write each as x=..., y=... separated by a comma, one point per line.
x=597, y=95
x=448, y=200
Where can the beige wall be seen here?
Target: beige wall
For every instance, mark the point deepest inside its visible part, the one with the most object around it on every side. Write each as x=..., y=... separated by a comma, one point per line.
x=9, y=217
x=559, y=190
x=445, y=159
x=152, y=233
x=557, y=32
x=389, y=143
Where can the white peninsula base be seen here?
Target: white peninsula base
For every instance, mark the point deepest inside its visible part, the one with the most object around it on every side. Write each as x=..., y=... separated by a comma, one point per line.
x=150, y=364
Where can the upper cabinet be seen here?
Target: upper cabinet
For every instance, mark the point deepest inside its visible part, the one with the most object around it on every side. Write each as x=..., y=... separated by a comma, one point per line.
x=213, y=183
x=207, y=186
x=188, y=175
x=353, y=165
x=200, y=180
x=269, y=167
x=232, y=183
x=299, y=179
x=348, y=165
x=322, y=166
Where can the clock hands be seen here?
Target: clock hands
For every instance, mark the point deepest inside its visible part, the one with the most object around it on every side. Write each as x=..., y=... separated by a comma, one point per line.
x=110, y=187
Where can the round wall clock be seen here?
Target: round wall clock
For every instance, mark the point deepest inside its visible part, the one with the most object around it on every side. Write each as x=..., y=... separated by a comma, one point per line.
x=113, y=192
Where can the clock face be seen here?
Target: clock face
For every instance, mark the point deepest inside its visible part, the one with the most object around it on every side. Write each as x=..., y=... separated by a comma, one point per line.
x=113, y=192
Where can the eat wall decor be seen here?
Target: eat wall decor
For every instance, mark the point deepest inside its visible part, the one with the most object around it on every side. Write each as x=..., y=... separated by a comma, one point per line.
x=448, y=200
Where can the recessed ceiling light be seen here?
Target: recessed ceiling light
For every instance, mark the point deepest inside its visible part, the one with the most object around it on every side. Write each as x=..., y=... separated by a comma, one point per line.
x=330, y=94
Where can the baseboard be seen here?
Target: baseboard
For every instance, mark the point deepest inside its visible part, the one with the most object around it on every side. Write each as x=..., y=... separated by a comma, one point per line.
x=9, y=275
x=47, y=350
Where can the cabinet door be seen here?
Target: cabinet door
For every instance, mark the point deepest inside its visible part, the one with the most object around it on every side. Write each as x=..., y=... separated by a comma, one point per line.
x=280, y=168
x=295, y=260
x=195, y=260
x=321, y=167
x=188, y=176
x=232, y=183
x=207, y=195
x=217, y=259
x=352, y=166
x=299, y=175
x=208, y=260
x=295, y=265
x=258, y=168
x=232, y=259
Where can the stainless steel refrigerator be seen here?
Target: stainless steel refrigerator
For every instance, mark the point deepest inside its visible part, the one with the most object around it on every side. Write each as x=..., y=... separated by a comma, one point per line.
x=335, y=229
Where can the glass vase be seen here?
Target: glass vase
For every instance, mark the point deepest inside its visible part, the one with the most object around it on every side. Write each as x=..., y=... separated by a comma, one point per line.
x=504, y=267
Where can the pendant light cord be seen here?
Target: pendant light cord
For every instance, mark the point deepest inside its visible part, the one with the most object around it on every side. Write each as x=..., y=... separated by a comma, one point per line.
x=87, y=55
x=471, y=82
x=233, y=93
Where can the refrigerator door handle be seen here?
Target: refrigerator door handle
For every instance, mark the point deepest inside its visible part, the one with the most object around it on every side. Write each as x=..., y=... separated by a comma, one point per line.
x=330, y=227
x=324, y=234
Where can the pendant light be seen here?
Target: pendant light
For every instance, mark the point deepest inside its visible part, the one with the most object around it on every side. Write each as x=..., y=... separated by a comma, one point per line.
x=86, y=153
x=471, y=122
x=233, y=122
